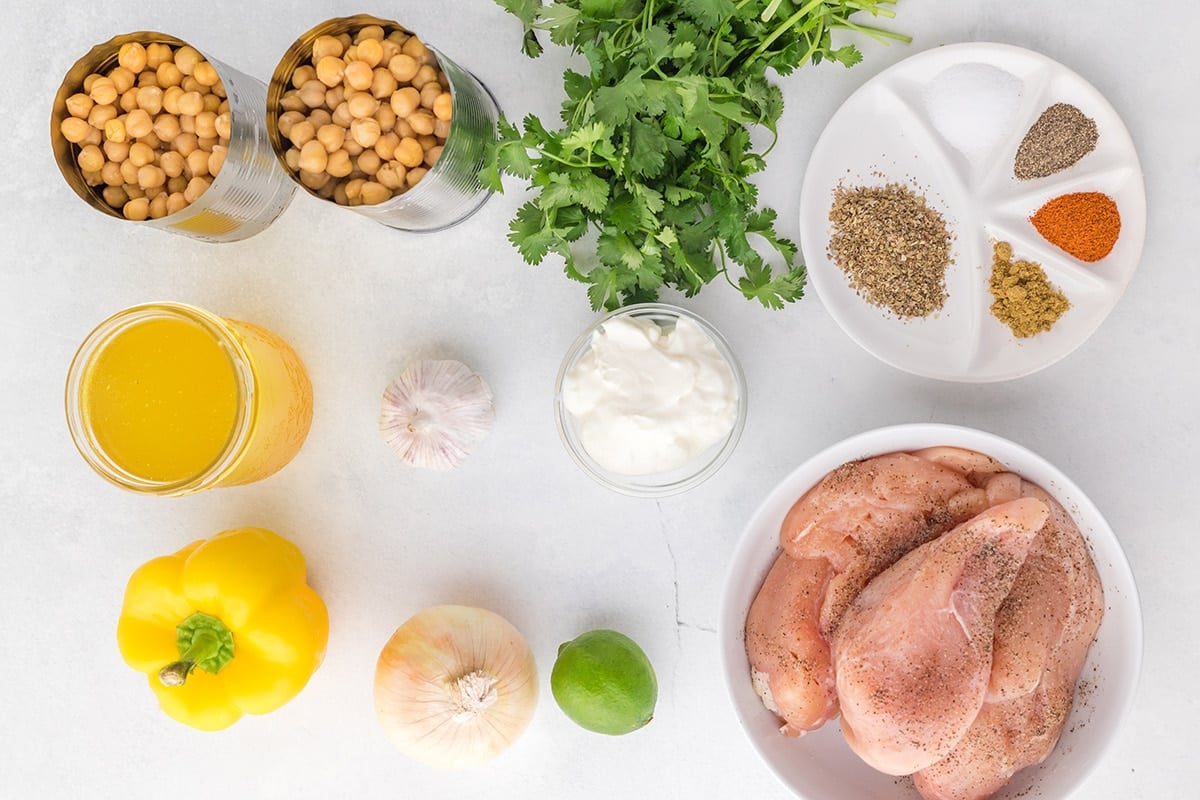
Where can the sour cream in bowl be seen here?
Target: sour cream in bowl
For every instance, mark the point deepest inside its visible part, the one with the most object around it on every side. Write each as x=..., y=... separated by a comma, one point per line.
x=650, y=400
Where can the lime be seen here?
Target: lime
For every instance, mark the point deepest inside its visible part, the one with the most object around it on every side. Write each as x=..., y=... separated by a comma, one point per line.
x=603, y=681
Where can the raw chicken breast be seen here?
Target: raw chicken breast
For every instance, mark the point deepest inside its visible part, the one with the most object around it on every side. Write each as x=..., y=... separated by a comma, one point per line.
x=789, y=658
x=913, y=653
x=864, y=515
x=1043, y=631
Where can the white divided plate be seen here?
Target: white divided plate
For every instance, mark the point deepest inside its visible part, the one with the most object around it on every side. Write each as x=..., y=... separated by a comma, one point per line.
x=885, y=132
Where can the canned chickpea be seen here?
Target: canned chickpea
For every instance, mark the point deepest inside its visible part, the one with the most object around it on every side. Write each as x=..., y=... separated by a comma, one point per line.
x=146, y=128
x=363, y=113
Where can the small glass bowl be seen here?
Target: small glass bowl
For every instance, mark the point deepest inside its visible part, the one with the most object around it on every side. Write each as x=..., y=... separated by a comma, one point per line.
x=658, y=484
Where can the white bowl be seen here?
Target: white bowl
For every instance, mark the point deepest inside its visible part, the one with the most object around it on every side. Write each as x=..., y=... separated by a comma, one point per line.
x=820, y=766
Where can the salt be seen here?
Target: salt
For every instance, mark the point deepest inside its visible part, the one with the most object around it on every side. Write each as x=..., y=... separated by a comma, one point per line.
x=973, y=106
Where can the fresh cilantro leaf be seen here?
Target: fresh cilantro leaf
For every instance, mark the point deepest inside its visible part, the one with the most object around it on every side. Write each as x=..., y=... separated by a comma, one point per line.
x=530, y=232
x=707, y=13
x=560, y=20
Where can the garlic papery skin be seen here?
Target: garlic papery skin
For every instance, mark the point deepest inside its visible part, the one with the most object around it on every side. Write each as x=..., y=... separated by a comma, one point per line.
x=435, y=413
x=455, y=686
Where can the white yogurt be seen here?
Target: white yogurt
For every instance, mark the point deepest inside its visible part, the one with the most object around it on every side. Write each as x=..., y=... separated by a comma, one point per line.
x=647, y=399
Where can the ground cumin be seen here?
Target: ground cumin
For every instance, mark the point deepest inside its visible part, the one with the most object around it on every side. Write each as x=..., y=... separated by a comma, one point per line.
x=1085, y=224
x=1024, y=299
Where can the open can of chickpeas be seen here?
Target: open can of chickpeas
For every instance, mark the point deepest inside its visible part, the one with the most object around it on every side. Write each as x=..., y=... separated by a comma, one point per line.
x=146, y=128
x=361, y=112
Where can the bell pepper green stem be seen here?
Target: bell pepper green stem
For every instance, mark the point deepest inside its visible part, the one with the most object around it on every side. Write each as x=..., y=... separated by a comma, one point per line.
x=203, y=641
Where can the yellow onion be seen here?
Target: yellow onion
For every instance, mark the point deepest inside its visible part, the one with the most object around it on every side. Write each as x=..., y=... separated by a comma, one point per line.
x=455, y=686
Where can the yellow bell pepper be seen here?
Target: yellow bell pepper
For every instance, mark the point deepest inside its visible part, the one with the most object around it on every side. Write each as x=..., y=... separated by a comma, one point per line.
x=225, y=627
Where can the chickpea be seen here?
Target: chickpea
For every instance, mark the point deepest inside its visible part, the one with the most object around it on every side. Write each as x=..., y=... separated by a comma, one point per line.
x=74, y=130
x=115, y=196
x=205, y=74
x=314, y=180
x=101, y=114
x=206, y=125
x=191, y=103
x=383, y=84
x=421, y=122
x=150, y=176
x=133, y=191
x=352, y=147
x=110, y=173
x=158, y=206
x=327, y=46
x=313, y=157
x=362, y=105
x=339, y=164
x=207, y=143
x=320, y=117
x=426, y=74
x=302, y=133
x=292, y=158
x=92, y=178
x=339, y=195
x=223, y=125
x=197, y=163
x=409, y=152
x=416, y=49
x=211, y=103
x=216, y=159
x=331, y=70
x=172, y=164
x=367, y=32
x=196, y=187
x=403, y=67
x=137, y=209
x=129, y=173
x=90, y=80
x=170, y=100
x=386, y=118
x=190, y=84
x=185, y=143
x=386, y=146
x=326, y=191
x=368, y=162
x=166, y=127
x=150, y=99
x=155, y=191
x=354, y=190
x=286, y=120
x=147, y=78
x=103, y=91
x=94, y=136
x=151, y=140
x=302, y=75
x=370, y=51
x=365, y=132
x=79, y=105
x=429, y=93
x=177, y=184
x=313, y=93
x=399, y=36
x=291, y=101
x=128, y=100
x=443, y=106
x=168, y=74
x=359, y=75
x=132, y=56
x=187, y=123
x=117, y=151
x=114, y=130
x=335, y=96
x=414, y=176
x=218, y=89
x=138, y=123
x=390, y=51
x=405, y=101
x=176, y=201
x=186, y=59
x=403, y=129
x=342, y=116
x=432, y=155
x=122, y=79
x=331, y=137
x=427, y=141
x=374, y=193
x=391, y=175
x=156, y=54
x=140, y=154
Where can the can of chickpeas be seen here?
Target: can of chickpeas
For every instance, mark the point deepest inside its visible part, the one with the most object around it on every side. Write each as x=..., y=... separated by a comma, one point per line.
x=145, y=128
x=362, y=113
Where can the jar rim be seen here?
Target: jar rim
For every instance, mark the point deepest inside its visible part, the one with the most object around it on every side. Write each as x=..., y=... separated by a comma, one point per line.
x=80, y=427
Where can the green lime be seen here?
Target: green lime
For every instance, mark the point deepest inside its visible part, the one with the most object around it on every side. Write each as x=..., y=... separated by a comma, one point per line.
x=603, y=681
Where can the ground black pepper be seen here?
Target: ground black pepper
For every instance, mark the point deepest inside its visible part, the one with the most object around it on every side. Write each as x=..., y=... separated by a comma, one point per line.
x=1061, y=136
x=893, y=247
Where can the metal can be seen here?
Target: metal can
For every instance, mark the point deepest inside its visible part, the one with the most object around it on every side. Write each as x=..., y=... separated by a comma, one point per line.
x=451, y=190
x=248, y=192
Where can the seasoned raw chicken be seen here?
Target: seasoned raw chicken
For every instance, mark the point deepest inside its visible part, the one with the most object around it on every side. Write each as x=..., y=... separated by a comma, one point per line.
x=864, y=515
x=913, y=653
x=789, y=658
x=1043, y=631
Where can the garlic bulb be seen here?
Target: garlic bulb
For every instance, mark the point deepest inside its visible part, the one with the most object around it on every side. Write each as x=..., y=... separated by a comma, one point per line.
x=435, y=413
x=455, y=686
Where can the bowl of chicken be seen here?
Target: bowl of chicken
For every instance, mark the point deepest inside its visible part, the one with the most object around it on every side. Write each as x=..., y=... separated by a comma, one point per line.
x=930, y=612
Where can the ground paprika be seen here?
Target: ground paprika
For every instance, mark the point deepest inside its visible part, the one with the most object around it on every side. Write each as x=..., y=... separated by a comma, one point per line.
x=1085, y=224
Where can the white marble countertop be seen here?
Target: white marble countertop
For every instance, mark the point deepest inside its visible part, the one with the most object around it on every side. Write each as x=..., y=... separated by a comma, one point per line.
x=518, y=528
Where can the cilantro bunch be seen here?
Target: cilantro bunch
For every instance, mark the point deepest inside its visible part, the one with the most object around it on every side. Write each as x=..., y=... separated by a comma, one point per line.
x=654, y=152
